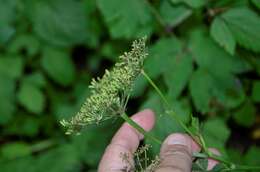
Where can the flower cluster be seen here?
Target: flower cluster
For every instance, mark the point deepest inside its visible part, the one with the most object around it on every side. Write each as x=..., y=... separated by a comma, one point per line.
x=109, y=94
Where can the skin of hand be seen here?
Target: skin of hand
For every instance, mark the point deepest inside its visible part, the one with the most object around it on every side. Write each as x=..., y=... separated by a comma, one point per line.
x=175, y=155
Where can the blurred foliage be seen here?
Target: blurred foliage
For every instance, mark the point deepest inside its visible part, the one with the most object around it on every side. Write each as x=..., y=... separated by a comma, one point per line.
x=203, y=53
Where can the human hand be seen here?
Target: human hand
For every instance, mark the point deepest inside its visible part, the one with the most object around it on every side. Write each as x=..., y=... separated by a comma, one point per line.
x=175, y=155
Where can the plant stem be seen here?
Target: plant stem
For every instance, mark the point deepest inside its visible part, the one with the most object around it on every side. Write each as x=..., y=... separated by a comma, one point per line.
x=171, y=113
x=231, y=165
x=140, y=129
x=155, y=87
x=174, y=116
x=246, y=167
x=220, y=159
x=200, y=141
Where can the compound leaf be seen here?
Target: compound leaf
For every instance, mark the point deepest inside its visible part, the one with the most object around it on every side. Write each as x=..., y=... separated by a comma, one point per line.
x=244, y=25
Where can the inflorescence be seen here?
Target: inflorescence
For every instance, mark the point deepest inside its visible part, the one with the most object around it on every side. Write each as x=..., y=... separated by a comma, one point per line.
x=109, y=94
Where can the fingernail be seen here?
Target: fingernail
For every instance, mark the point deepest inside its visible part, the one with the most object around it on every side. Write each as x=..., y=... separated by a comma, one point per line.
x=176, y=139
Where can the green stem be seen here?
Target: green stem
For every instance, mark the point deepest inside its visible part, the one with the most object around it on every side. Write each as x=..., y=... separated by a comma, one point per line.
x=246, y=167
x=171, y=113
x=155, y=87
x=140, y=129
x=174, y=116
x=199, y=155
x=231, y=166
x=212, y=156
x=220, y=159
x=201, y=142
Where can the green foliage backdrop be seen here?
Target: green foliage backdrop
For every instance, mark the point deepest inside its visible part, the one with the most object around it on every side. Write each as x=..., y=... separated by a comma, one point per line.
x=205, y=55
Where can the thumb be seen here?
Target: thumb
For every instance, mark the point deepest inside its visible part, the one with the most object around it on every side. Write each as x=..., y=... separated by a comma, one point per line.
x=176, y=154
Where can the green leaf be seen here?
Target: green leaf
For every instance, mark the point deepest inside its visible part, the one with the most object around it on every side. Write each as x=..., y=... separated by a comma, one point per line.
x=256, y=3
x=95, y=26
x=200, y=87
x=80, y=91
x=208, y=90
x=112, y=49
x=212, y=57
x=191, y=3
x=194, y=126
x=98, y=139
x=59, y=22
x=58, y=66
x=19, y=164
x=25, y=42
x=178, y=73
x=230, y=3
x=250, y=156
x=31, y=98
x=222, y=35
x=7, y=98
x=15, y=150
x=256, y=91
x=7, y=11
x=6, y=34
x=64, y=111
x=7, y=17
x=63, y=158
x=235, y=155
x=162, y=53
x=244, y=25
x=219, y=168
x=23, y=125
x=245, y=115
x=36, y=78
x=174, y=15
x=12, y=66
x=256, y=64
x=200, y=165
x=229, y=91
x=211, y=132
x=139, y=86
x=129, y=19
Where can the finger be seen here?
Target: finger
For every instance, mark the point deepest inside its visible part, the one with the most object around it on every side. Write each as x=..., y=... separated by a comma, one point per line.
x=211, y=162
x=195, y=147
x=176, y=153
x=125, y=142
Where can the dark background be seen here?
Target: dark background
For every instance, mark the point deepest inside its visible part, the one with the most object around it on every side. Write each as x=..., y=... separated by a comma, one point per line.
x=204, y=55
